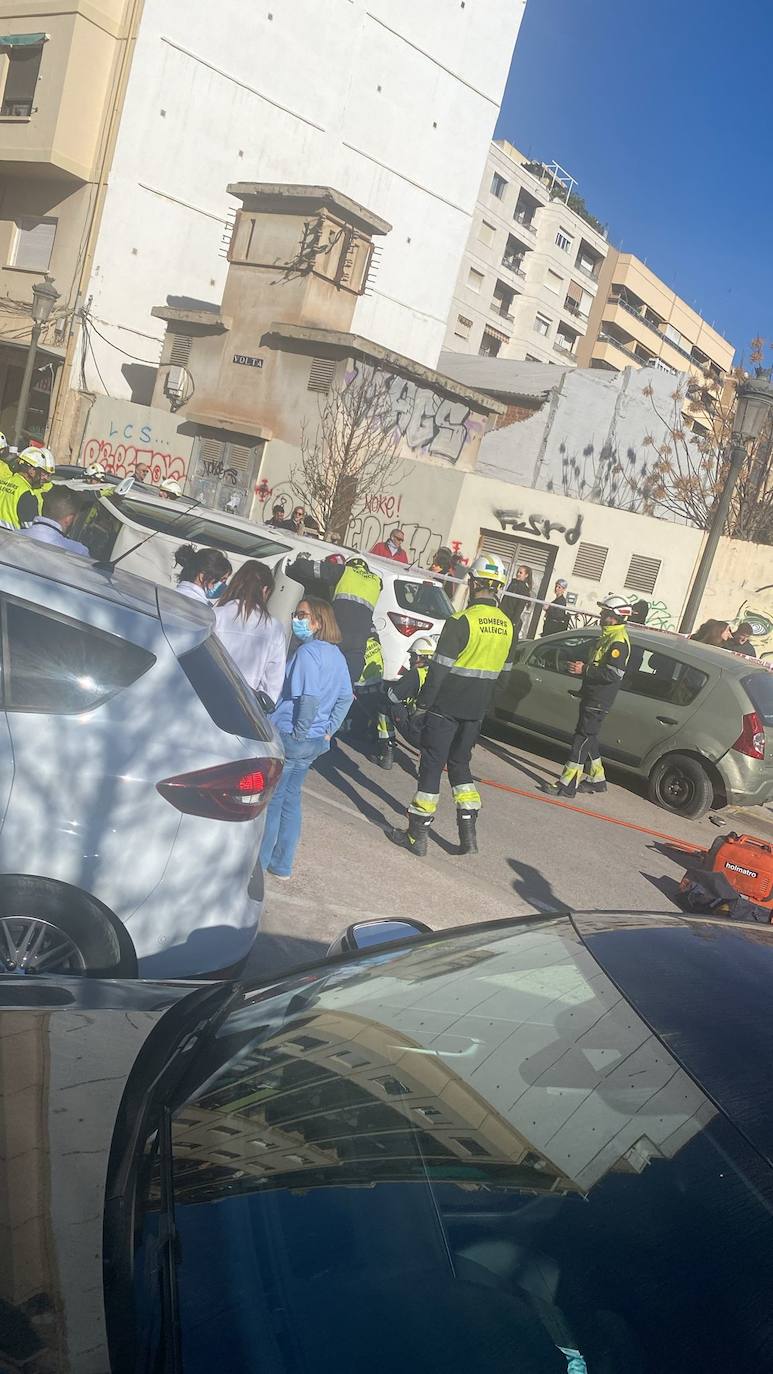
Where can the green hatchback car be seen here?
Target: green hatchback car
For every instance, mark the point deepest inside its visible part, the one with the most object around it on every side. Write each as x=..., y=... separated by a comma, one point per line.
x=689, y=719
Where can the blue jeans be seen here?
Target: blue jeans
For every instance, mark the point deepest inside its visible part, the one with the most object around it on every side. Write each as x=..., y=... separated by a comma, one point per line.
x=283, y=817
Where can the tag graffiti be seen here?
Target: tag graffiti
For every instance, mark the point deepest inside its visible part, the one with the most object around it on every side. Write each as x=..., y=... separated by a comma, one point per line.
x=517, y=521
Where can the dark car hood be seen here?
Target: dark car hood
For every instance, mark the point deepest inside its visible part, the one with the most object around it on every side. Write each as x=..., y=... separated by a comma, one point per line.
x=67, y=1048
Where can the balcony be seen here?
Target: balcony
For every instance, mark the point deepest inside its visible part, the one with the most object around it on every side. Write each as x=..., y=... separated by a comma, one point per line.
x=572, y=308
x=591, y=273
x=514, y=265
x=563, y=345
x=526, y=221
x=501, y=309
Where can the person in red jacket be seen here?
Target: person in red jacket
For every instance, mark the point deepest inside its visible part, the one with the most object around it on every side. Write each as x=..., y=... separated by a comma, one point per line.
x=392, y=547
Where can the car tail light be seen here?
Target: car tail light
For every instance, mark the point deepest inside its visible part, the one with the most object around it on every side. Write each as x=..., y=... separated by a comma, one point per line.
x=751, y=740
x=228, y=792
x=408, y=624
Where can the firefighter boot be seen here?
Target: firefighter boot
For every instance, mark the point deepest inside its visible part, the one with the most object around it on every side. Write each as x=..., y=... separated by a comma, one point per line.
x=414, y=838
x=385, y=753
x=465, y=823
x=594, y=781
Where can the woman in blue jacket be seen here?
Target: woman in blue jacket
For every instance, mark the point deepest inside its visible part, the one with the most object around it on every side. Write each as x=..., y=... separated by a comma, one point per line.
x=316, y=696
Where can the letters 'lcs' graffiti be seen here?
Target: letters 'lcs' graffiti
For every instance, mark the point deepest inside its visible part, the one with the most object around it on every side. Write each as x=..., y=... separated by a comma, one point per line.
x=428, y=422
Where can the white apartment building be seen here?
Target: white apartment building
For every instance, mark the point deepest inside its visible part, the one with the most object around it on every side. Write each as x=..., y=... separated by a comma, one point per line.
x=392, y=103
x=529, y=275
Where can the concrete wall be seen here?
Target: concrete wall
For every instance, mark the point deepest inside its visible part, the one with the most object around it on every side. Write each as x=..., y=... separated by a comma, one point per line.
x=123, y=436
x=392, y=102
x=741, y=588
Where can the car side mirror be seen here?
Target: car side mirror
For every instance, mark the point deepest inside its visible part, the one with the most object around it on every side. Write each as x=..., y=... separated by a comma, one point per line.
x=124, y=487
x=383, y=931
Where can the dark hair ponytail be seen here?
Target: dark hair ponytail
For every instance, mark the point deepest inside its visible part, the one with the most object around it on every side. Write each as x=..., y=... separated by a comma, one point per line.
x=208, y=563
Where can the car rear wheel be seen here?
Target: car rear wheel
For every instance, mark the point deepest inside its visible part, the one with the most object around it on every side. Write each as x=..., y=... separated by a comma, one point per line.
x=50, y=928
x=681, y=784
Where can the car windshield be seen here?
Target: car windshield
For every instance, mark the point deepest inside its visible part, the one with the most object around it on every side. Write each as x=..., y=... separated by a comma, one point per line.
x=425, y=598
x=194, y=527
x=759, y=689
x=464, y=1155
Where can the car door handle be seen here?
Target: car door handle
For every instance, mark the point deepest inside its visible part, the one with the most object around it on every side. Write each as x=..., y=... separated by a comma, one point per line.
x=576, y=694
x=667, y=720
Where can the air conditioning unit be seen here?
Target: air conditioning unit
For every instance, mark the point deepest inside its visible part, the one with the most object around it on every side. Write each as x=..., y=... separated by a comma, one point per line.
x=175, y=384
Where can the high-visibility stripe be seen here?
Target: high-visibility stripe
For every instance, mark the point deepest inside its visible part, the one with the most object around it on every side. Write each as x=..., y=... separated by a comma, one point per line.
x=596, y=771
x=424, y=804
x=475, y=672
x=382, y=727
x=467, y=795
x=445, y=659
x=347, y=596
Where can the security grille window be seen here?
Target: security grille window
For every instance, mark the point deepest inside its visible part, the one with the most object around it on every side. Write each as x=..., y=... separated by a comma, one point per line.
x=180, y=350
x=642, y=574
x=22, y=76
x=321, y=374
x=463, y=327
x=563, y=240
x=542, y=325
x=590, y=561
x=58, y=666
x=33, y=244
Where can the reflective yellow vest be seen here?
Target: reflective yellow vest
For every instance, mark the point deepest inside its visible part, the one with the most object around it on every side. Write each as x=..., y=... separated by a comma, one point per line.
x=373, y=668
x=355, y=585
x=485, y=653
x=12, y=486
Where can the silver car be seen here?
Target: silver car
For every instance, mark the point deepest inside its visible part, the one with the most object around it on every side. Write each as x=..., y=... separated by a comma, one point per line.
x=136, y=767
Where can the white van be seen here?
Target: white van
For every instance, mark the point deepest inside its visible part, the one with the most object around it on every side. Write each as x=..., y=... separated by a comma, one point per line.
x=143, y=531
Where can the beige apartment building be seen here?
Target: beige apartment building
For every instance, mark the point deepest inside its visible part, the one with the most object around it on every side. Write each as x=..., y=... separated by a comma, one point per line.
x=62, y=66
x=530, y=273
x=636, y=320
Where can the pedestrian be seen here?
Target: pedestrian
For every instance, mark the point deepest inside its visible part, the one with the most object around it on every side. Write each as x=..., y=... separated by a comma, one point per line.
x=60, y=509
x=441, y=562
x=169, y=489
x=203, y=573
x=716, y=632
x=392, y=547
x=602, y=675
x=23, y=484
x=517, y=603
x=739, y=641
x=301, y=523
x=254, y=638
x=315, y=698
x=641, y=610
x=278, y=519
x=398, y=704
x=556, y=615
x=354, y=590
x=473, y=649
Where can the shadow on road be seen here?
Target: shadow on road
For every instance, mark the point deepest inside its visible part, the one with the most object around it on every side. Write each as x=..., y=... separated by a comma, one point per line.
x=535, y=771
x=534, y=888
x=274, y=955
x=337, y=767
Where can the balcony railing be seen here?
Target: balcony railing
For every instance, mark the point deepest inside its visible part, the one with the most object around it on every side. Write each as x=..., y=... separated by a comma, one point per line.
x=656, y=329
x=563, y=345
x=520, y=218
x=514, y=265
x=574, y=309
x=589, y=272
x=503, y=311
x=16, y=109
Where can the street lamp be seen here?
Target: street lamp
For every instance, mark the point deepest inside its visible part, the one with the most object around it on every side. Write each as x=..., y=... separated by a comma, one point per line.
x=44, y=298
x=754, y=399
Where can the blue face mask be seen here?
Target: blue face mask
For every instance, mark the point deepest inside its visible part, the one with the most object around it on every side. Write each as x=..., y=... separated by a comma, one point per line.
x=214, y=592
x=302, y=629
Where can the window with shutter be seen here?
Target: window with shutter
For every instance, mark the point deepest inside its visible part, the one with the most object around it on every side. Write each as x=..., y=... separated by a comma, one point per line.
x=180, y=350
x=21, y=80
x=34, y=244
x=210, y=454
x=590, y=561
x=321, y=374
x=643, y=574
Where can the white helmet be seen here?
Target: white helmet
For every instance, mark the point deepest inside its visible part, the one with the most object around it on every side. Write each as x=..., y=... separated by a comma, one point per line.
x=95, y=470
x=38, y=458
x=170, y=485
x=621, y=606
x=424, y=646
x=488, y=568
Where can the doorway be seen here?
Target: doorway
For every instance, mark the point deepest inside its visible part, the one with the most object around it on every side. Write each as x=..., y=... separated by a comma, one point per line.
x=537, y=555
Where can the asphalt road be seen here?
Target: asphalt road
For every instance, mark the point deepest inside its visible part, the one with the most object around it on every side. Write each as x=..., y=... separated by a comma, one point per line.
x=612, y=852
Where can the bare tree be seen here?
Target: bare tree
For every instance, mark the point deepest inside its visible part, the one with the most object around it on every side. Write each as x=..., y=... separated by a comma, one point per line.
x=351, y=454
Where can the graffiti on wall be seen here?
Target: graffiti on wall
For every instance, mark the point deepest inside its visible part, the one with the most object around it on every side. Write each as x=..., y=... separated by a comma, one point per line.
x=758, y=610
x=521, y=523
x=426, y=421
x=130, y=449
x=374, y=524
x=659, y=616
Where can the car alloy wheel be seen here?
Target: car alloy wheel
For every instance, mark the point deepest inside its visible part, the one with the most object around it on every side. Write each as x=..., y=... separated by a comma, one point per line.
x=29, y=945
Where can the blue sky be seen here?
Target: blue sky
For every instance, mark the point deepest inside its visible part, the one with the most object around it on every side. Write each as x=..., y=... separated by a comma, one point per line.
x=662, y=112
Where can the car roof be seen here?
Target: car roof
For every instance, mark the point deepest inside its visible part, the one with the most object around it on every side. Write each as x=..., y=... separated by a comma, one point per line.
x=317, y=548
x=120, y=588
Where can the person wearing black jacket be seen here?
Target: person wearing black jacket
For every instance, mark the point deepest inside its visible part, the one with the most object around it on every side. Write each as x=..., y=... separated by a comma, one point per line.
x=556, y=615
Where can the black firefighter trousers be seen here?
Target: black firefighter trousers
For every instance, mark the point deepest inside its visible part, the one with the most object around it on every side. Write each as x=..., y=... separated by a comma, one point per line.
x=446, y=741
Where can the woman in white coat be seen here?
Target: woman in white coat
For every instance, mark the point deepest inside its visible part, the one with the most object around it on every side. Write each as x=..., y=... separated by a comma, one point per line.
x=253, y=638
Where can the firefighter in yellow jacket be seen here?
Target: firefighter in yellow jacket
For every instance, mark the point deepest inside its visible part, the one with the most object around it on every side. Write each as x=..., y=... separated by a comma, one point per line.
x=474, y=648
x=22, y=486
x=602, y=677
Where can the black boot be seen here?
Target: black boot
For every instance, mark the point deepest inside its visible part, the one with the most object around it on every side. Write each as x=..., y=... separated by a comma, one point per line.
x=415, y=837
x=385, y=754
x=468, y=840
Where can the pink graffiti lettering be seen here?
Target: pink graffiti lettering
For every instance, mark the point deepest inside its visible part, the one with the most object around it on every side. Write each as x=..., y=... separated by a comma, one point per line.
x=126, y=459
x=382, y=504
